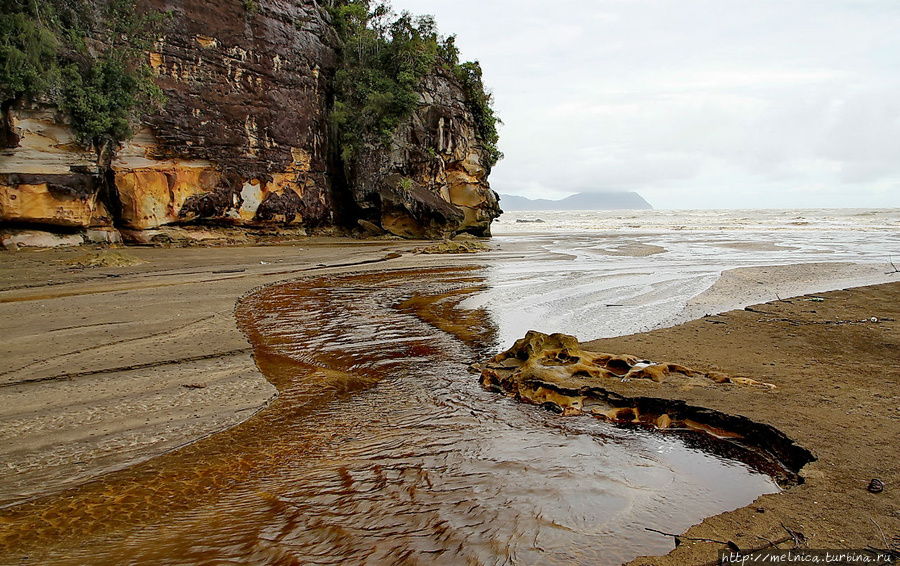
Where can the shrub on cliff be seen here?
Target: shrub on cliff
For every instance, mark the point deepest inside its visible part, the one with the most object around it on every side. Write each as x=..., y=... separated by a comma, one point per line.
x=27, y=53
x=85, y=56
x=480, y=101
x=384, y=59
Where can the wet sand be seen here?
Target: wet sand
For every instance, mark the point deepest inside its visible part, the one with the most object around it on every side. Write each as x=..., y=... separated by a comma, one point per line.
x=107, y=366
x=177, y=368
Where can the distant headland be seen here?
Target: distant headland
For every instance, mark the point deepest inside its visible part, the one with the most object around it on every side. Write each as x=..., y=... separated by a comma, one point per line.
x=582, y=201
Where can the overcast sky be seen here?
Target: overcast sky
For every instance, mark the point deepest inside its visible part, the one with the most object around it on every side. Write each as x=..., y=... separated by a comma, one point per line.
x=691, y=103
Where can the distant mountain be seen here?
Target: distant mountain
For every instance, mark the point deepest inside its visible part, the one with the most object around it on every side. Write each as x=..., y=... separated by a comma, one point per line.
x=581, y=201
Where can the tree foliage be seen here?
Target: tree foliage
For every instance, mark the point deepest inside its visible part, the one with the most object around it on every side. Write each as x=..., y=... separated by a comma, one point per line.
x=85, y=56
x=480, y=104
x=27, y=54
x=384, y=60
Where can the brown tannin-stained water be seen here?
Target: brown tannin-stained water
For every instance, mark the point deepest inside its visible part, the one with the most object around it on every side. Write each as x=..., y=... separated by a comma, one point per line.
x=383, y=449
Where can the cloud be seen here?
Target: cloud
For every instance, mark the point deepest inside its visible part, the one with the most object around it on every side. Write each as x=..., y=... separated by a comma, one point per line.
x=697, y=101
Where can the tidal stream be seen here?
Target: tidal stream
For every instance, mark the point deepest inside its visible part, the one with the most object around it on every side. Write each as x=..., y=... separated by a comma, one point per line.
x=382, y=448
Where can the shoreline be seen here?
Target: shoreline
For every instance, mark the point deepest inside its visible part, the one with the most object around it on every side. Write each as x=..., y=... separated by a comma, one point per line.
x=59, y=351
x=743, y=286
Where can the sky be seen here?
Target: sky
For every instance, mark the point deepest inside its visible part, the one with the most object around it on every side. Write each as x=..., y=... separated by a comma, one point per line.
x=690, y=103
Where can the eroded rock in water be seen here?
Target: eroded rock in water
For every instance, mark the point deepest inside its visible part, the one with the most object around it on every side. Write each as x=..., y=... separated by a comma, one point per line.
x=554, y=372
x=553, y=369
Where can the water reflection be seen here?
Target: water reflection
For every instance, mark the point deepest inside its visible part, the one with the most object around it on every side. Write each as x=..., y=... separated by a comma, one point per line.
x=382, y=449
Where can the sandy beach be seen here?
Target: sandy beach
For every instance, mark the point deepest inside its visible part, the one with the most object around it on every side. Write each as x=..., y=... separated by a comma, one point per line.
x=108, y=366
x=833, y=359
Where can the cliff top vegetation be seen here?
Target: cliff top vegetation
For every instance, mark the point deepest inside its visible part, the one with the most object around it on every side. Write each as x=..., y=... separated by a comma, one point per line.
x=85, y=56
x=384, y=59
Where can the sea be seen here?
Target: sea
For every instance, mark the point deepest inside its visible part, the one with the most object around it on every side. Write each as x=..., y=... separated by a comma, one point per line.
x=607, y=273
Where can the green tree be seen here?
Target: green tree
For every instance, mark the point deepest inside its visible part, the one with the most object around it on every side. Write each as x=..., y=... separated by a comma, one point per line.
x=384, y=60
x=86, y=56
x=28, y=50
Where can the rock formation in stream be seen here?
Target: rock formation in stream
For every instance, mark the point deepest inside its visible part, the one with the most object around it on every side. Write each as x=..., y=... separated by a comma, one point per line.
x=553, y=371
x=244, y=140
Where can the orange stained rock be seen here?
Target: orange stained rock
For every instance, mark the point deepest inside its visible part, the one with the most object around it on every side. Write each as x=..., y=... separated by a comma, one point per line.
x=654, y=372
x=153, y=196
x=465, y=190
x=559, y=357
x=36, y=203
x=542, y=368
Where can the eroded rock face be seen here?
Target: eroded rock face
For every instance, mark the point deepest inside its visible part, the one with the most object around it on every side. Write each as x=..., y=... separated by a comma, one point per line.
x=46, y=177
x=432, y=182
x=244, y=140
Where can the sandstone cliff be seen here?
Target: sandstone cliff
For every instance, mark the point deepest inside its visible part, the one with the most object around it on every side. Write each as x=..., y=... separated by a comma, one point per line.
x=432, y=180
x=244, y=140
